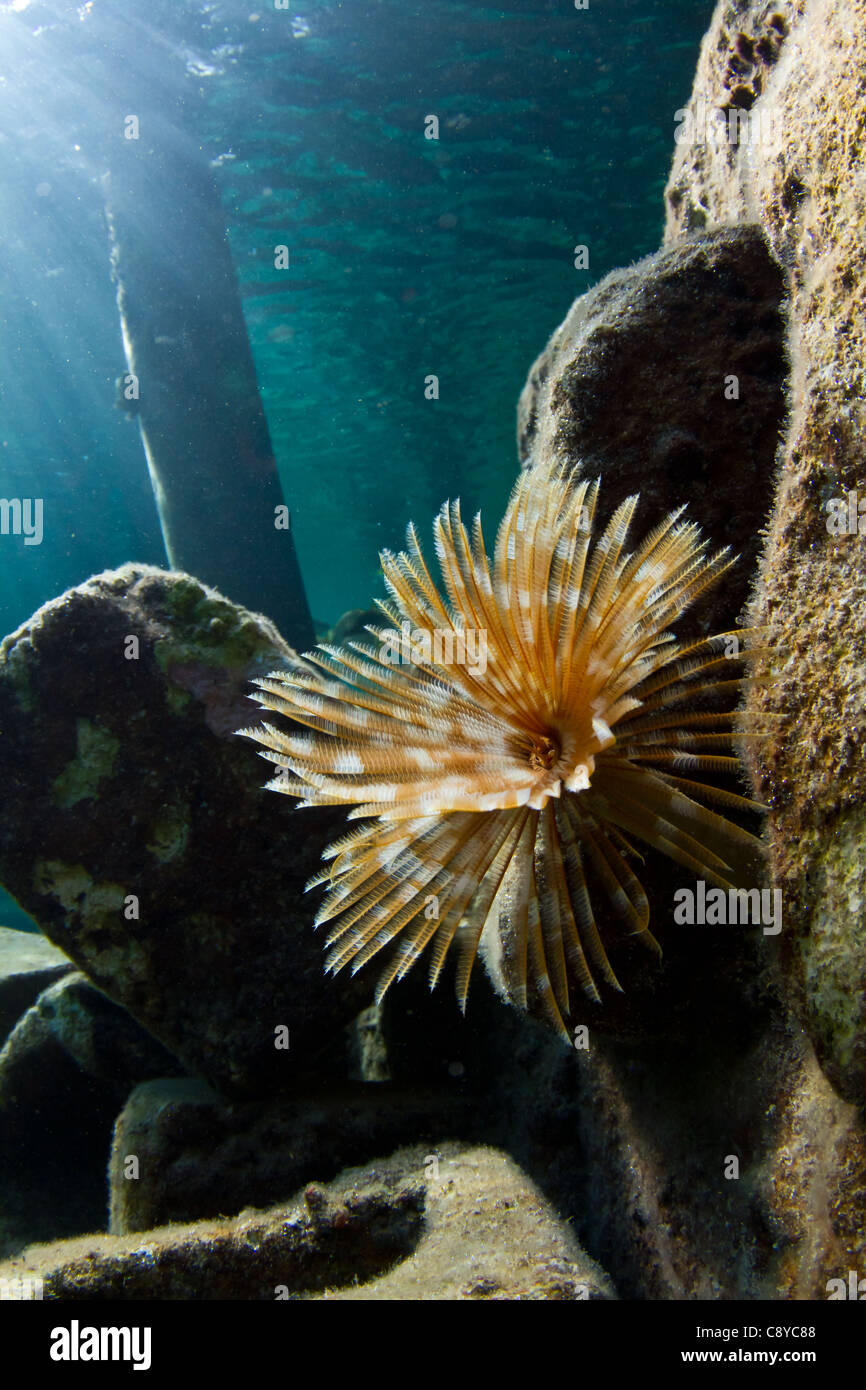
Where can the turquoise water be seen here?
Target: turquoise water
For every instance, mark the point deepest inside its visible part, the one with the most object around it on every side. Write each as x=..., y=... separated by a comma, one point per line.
x=452, y=257
x=409, y=256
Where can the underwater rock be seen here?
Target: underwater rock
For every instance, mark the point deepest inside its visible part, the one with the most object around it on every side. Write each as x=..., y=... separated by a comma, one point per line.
x=104, y=1041
x=732, y=134
x=352, y=626
x=65, y=1070
x=732, y=1177
x=792, y=169
x=257, y=1256
x=368, y=1049
x=454, y=1223
x=136, y=831
x=197, y=1157
x=634, y=387
x=28, y=964
x=490, y=1234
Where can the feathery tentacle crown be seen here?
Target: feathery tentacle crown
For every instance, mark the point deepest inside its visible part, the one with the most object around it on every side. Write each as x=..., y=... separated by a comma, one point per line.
x=504, y=790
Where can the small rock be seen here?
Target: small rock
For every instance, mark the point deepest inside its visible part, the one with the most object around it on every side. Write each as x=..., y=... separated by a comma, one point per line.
x=488, y=1234
x=258, y=1256
x=197, y=1157
x=66, y=1068
x=635, y=386
x=28, y=964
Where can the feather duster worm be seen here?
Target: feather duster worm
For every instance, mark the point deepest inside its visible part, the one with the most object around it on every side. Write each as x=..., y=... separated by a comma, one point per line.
x=506, y=792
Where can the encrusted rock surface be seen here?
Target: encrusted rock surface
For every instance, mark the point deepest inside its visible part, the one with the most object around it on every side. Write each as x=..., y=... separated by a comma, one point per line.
x=455, y=1222
x=795, y=69
x=135, y=829
x=735, y=1176
x=258, y=1255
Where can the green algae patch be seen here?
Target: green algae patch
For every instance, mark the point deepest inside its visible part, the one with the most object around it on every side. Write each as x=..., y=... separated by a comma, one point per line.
x=100, y=943
x=169, y=833
x=208, y=630
x=209, y=651
x=94, y=761
x=76, y=891
x=177, y=700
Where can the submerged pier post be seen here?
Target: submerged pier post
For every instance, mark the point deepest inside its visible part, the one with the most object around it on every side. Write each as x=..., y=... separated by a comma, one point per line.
x=191, y=378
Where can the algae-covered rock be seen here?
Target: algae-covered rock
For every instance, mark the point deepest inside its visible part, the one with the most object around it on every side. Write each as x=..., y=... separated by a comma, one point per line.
x=258, y=1256
x=135, y=829
x=791, y=77
x=489, y=1234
